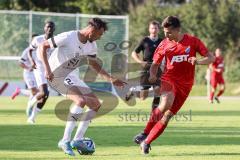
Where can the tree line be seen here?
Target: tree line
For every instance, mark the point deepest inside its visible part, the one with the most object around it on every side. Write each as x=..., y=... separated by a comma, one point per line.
x=216, y=22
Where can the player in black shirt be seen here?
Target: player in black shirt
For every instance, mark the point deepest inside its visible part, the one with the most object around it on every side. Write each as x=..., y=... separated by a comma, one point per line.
x=147, y=47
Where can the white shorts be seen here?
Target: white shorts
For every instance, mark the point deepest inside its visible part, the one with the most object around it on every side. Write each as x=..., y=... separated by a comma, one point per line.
x=74, y=80
x=62, y=85
x=39, y=74
x=29, y=79
x=66, y=76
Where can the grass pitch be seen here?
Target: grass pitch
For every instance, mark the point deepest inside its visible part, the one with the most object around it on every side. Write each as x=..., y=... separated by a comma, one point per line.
x=200, y=131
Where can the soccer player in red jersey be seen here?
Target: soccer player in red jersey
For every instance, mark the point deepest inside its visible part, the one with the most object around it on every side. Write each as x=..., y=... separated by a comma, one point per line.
x=217, y=68
x=179, y=51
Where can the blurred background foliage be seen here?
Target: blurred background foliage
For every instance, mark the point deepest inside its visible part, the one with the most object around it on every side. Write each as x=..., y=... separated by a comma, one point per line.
x=215, y=22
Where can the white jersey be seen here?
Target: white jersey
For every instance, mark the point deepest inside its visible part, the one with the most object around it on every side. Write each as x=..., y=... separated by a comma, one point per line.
x=35, y=46
x=68, y=47
x=25, y=59
x=40, y=71
x=28, y=76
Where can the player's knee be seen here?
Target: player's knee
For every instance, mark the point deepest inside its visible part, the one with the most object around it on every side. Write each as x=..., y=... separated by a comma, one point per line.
x=34, y=91
x=80, y=102
x=96, y=108
x=40, y=95
x=168, y=100
x=142, y=98
x=213, y=89
x=166, y=117
x=223, y=88
x=165, y=105
x=43, y=94
x=96, y=105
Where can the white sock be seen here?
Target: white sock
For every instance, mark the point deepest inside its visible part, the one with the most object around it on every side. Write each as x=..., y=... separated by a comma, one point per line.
x=150, y=89
x=132, y=89
x=136, y=89
x=71, y=123
x=35, y=111
x=33, y=101
x=29, y=99
x=25, y=92
x=84, y=123
x=30, y=96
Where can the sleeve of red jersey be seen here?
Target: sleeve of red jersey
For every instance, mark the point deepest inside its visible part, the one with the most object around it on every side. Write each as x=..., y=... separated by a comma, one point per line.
x=158, y=54
x=201, y=48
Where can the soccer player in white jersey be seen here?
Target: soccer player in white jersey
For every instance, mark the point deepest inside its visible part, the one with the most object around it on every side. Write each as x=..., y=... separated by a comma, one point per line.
x=39, y=71
x=28, y=77
x=69, y=47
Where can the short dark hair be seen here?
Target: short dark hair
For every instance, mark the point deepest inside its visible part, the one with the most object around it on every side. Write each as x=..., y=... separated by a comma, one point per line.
x=155, y=23
x=171, y=21
x=50, y=22
x=98, y=23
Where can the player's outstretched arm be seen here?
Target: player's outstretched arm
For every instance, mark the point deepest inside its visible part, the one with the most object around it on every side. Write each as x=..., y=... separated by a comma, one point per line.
x=43, y=55
x=204, y=61
x=98, y=68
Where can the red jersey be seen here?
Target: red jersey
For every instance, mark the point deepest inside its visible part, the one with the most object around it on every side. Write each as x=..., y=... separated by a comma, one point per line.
x=178, y=69
x=218, y=64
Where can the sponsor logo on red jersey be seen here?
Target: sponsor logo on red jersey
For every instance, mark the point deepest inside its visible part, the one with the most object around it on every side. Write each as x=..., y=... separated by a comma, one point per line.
x=181, y=58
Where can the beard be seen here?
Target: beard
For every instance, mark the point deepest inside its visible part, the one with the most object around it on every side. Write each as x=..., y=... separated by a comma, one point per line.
x=90, y=39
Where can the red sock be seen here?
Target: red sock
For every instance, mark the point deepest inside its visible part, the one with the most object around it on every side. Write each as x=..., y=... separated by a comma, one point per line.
x=220, y=93
x=156, y=115
x=211, y=95
x=156, y=131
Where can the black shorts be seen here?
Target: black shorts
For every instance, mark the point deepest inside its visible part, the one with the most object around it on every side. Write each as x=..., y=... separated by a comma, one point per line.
x=145, y=74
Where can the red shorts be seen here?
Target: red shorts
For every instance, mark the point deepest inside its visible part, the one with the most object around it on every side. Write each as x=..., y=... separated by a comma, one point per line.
x=217, y=79
x=181, y=93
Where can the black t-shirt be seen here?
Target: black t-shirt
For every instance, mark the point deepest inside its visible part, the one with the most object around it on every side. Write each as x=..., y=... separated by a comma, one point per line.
x=147, y=46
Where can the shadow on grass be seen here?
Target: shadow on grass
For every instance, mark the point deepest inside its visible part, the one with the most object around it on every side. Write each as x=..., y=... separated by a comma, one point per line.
x=135, y=112
x=45, y=137
x=209, y=154
x=193, y=112
x=21, y=111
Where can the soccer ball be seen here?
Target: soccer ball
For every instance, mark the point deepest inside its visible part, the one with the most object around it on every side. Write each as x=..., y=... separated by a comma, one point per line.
x=88, y=148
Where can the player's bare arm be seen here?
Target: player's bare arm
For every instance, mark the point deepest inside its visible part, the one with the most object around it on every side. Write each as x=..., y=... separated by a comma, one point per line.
x=218, y=70
x=153, y=72
x=43, y=54
x=98, y=68
x=25, y=66
x=204, y=61
x=33, y=64
x=137, y=58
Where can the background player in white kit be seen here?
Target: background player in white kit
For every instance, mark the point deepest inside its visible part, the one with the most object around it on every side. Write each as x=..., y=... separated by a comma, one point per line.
x=28, y=77
x=69, y=45
x=39, y=71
